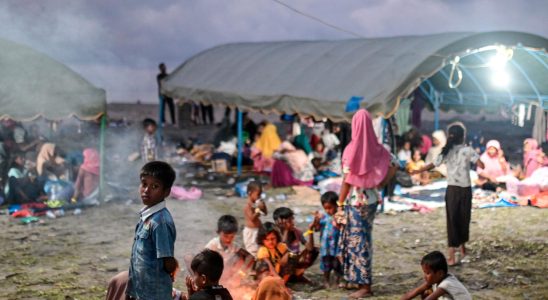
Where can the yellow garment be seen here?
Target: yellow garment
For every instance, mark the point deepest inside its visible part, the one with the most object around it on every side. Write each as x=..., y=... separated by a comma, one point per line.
x=274, y=255
x=269, y=141
x=414, y=165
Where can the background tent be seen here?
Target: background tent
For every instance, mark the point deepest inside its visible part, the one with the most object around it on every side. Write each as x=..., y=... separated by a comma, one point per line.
x=33, y=85
x=318, y=78
x=333, y=78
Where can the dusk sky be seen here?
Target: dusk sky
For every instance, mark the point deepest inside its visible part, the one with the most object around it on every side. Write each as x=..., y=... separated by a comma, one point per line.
x=117, y=45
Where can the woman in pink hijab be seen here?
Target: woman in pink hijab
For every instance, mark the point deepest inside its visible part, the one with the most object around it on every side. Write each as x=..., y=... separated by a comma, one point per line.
x=533, y=157
x=87, y=182
x=366, y=166
x=495, y=166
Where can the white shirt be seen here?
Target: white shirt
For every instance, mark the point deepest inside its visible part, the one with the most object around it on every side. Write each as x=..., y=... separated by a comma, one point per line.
x=226, y=252
x=454, y=288
x=148, y=211
x=458, y=164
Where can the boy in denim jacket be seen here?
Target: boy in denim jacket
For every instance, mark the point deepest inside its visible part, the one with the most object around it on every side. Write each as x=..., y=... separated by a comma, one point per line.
x=152, y=265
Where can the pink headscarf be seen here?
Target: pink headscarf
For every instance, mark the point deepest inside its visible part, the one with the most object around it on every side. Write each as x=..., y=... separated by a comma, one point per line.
x=530, y=158
x=492, y=164
x=367, y=160
x=91, y=161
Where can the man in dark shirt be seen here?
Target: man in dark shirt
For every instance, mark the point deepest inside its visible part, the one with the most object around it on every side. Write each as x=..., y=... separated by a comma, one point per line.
x=163, y=98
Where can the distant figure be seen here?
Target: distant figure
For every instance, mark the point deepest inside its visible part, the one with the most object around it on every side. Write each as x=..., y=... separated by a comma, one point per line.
x=163, y=98
x=207, y=113
x=150, y=144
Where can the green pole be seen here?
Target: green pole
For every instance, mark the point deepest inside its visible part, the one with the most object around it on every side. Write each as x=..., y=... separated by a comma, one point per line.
x=102, y=157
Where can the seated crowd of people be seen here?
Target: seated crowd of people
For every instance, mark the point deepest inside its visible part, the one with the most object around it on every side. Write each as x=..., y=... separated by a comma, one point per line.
x=308, y=152
x=416, y=150
x=34, y=169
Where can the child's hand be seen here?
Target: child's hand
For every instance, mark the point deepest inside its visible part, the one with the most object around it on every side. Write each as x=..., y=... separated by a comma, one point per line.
x=190, y=286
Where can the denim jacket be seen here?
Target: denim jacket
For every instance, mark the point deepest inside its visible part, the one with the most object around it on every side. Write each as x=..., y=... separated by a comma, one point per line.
x=154, y=239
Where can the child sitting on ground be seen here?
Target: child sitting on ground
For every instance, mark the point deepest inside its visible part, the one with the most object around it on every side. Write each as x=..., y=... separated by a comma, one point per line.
x=227, y=227
x=152, y=265
x=438, y=283
x=415, y=164
x=329, y=238
x=207, y=268
x=234, y=258
x=291, y=235
x=253, y=210
x=273, y=255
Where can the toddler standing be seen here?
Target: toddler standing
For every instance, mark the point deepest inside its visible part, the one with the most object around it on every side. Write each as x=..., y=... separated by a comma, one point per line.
x=253, y=210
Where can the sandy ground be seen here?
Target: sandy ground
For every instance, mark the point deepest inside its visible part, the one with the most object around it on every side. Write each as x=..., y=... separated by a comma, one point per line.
x=74, y=256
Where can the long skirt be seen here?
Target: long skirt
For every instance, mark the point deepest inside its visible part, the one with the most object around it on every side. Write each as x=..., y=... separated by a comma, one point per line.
x=356, y=244
x=458, y=207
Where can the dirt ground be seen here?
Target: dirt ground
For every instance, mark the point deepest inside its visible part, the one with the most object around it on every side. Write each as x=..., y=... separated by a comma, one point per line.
x=73, y=257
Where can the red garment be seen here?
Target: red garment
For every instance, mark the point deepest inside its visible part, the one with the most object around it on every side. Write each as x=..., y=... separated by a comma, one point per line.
x=91, y=161
x=314, y=140
x=426, y=144
x=367, y=160
x=86, y=183
x=282, y=175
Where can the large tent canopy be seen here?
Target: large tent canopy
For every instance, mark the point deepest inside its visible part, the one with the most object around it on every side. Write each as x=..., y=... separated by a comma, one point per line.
x=320, y=78
x=33, y=85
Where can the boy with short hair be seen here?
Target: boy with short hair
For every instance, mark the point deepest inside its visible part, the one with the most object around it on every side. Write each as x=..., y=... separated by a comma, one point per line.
x=203, y=284
x=227, y=227
x=150, y=143
x=152, y=266
x=253, y=209
x=436, y=277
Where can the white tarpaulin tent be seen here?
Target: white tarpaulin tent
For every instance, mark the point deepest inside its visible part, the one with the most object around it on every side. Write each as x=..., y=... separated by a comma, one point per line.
x=33, y=85
x=318, y=78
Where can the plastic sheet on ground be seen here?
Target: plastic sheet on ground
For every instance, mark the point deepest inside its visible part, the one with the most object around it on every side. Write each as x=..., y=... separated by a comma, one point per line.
x=180, y=193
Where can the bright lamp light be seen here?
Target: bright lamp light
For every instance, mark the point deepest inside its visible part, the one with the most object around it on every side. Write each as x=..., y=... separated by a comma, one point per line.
x=500, y=78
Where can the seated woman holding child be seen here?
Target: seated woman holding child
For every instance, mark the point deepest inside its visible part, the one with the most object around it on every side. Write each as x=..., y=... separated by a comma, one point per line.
x=496, y=167
x=291, y=167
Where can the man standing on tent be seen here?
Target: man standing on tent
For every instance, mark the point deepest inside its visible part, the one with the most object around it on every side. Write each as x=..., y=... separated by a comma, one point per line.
x=163, y=98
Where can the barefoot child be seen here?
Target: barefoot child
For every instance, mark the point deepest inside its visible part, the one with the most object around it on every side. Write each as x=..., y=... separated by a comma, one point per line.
x=253, y=209
x=329, y=238
x=207, y=268
x=458, y=196
x=438, y=284
x=152, y=265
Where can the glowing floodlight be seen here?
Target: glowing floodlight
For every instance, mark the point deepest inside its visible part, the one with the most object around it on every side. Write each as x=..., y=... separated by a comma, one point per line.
x=500, y=78
x=497, y=63
x=499, y=60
